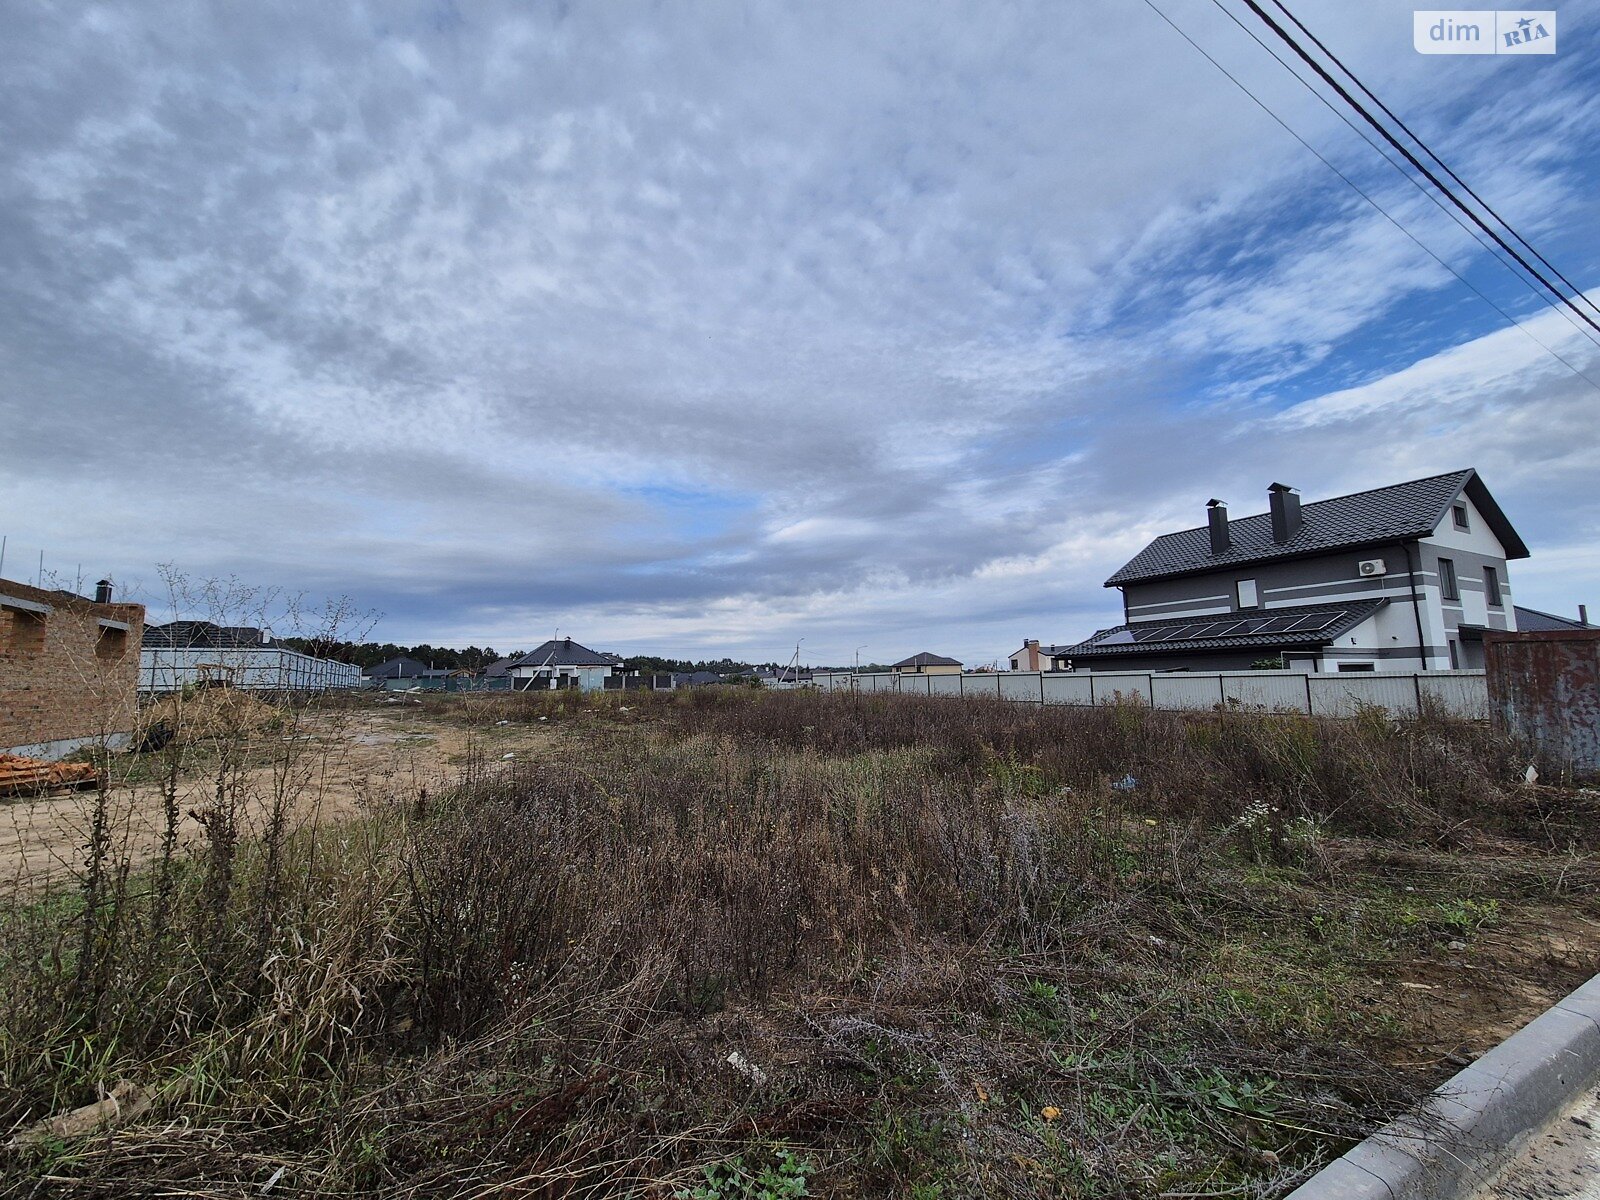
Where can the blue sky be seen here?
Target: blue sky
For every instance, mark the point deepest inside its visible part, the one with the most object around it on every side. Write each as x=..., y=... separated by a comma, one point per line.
x=703, y=328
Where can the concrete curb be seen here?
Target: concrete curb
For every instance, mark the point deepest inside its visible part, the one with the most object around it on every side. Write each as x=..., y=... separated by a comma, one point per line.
x=1456, y=1140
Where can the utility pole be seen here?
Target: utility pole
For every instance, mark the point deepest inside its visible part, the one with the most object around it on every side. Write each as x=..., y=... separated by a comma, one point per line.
x=793, y=662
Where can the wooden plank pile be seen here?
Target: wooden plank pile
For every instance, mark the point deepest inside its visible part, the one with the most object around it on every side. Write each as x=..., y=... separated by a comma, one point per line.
x=21, y=776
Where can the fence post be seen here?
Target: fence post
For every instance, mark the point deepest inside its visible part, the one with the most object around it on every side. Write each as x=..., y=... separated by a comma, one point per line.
x=1310, y=708
x=1091, y=687
x=1041, y=689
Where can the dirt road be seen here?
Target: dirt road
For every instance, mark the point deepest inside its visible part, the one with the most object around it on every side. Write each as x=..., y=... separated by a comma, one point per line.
x=336, y=763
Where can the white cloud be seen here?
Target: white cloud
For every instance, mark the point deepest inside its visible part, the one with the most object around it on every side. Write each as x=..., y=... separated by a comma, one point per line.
x=891, y=317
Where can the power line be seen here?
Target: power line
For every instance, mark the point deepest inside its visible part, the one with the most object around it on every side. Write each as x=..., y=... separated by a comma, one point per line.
x=1400, y=170
x=1411, y=158
x=1444, y=166
x=1365, y=196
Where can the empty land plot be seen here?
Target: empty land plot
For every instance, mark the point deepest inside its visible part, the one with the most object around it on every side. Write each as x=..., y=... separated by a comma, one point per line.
x=735, y=944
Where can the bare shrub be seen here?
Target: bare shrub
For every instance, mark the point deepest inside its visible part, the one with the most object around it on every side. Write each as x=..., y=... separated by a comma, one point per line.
x=1007, y=949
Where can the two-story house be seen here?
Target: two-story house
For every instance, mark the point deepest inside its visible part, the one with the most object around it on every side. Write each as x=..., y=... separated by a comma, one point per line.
x=1399, y=578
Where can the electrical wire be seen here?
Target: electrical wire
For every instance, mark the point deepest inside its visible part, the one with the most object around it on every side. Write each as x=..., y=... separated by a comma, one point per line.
x=1388, y=136
x=1444, y=166
x=1433, y=198
x=1204, y=53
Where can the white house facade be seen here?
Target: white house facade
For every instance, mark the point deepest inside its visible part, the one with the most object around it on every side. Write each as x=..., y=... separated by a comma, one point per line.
x=1401, y=578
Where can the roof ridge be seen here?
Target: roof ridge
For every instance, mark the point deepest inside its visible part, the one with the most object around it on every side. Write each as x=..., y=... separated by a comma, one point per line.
x=1388, y=487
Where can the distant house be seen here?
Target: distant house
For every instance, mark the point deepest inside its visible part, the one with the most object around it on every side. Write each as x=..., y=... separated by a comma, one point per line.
x=183, y=654
x=1406, y=577
x=782, y=677
x=1035, y=657
x=204, y=635
x=68, y=670
x=1531, y=620
x=683, y=679
x=563, y=663
x=927, y=664
x=498, y=673
x=402, y=668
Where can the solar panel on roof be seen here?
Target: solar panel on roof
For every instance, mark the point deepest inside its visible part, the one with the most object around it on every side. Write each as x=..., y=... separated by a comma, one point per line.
x=1160, y=633
x=1277, y=624
x=1315, y=621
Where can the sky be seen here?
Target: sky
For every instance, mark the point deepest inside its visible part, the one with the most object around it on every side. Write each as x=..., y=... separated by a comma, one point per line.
x=721, y=328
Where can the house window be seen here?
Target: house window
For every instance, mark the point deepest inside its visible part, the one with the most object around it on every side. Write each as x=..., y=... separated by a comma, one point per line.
x=111, y=644
x=1448, y=587
x=21, y=632
x=1358, y=667
x=1491, y=586
x=1458, y=513
x=1247, y=594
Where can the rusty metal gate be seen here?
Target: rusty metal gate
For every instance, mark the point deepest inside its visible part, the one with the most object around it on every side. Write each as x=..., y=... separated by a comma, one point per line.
x=1545, y=688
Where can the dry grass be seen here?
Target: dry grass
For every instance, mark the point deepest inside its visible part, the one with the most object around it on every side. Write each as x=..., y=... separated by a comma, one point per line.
x=951, y=950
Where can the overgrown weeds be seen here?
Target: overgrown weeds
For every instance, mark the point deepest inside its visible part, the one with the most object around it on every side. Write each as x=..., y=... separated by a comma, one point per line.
x=732, y=944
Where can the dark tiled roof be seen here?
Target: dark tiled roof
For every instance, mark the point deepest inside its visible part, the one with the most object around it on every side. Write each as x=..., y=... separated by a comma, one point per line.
x=1531, y=620
x=695, y=678
x=1386, y=514
x=202, y=635
x=566, y=653
x=497, y=669
x=403, y=667
x=1320, y=624
x=928, y=660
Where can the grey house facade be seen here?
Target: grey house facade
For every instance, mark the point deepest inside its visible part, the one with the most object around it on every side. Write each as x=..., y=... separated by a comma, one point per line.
x=1399, y=578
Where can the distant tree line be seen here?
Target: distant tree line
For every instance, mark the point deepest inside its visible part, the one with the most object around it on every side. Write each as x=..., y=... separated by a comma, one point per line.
x=473, y=658
x=650, y=664
x=370, y=654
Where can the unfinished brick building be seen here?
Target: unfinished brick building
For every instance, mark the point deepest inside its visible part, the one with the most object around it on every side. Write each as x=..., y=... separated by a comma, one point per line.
x=69, y=670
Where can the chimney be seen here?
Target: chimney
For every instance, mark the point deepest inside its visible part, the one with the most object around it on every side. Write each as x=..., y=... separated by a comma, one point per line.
x=1285, y=503
x=1217, y=515
x=102, y=592
x=1031, y=645
x=1583, y=614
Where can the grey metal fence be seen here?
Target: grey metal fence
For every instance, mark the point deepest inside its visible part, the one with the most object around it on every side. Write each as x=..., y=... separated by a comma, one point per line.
x=1460, y=693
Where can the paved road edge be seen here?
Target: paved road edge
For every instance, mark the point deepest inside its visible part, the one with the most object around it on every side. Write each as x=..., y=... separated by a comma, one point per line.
x=1468, y=1129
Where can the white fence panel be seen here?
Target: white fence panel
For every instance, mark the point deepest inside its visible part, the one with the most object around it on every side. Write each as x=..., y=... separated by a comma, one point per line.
x=1020, y=685
x=1272, y=691
x=1462, y=693
x=1344, y=693
x=1185, y=691
x=1109, y=688
x=980, y=683
x=1066, y=689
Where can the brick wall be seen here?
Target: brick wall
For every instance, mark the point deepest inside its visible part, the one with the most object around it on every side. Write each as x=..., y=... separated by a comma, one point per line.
x=64, y=676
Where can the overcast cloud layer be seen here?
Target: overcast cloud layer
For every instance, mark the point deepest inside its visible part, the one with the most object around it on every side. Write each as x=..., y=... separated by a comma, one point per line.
x=701, y=328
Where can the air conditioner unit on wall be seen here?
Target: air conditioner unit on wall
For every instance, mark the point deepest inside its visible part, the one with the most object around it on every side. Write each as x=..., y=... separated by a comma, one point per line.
x=1373, y=566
